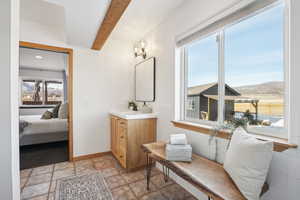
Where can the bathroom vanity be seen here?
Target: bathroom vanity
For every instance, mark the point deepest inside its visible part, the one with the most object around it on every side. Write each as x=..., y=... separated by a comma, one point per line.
x=129, y=130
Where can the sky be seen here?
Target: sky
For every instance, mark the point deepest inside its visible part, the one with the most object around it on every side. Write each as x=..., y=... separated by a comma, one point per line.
x=253, y=52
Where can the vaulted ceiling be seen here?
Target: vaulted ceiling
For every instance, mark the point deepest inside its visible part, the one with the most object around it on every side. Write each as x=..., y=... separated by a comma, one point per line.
x=142, y=16
x=82, y=20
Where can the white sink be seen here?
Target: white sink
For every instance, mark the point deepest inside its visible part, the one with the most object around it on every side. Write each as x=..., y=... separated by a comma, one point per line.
x=134, y=115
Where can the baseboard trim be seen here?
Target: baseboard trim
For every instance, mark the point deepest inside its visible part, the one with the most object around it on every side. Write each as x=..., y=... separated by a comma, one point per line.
x=89, y=156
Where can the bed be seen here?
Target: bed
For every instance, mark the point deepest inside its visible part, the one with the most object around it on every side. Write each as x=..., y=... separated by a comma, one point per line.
x=38, y=131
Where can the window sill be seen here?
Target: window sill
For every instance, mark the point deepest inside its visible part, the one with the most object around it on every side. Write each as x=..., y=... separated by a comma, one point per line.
x=36, y=106
x=279, y=144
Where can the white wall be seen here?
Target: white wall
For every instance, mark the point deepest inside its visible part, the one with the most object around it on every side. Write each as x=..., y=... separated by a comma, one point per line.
x=41, y=33
x=102, y=82
x=9, y=153
x=284, y=176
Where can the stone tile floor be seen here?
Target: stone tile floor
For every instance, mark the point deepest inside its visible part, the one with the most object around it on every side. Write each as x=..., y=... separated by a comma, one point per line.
x=40, y=183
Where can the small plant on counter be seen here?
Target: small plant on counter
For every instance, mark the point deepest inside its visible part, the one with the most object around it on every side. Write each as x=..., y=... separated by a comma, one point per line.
x=132, y=106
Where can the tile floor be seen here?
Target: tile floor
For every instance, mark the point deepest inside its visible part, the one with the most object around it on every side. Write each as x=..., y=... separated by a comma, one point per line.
x=39, y=183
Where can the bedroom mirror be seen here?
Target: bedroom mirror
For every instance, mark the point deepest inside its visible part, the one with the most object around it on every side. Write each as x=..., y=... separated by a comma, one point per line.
x=44, y=77
x=145, y=81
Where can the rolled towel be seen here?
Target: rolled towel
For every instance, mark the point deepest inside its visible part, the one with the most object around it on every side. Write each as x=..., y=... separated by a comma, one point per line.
x=178, y=139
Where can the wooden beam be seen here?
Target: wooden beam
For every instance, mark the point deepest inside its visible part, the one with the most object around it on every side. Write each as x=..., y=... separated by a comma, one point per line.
x=113, y=15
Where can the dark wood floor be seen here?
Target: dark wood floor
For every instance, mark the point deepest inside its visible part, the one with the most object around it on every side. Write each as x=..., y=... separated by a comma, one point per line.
x=43, y=154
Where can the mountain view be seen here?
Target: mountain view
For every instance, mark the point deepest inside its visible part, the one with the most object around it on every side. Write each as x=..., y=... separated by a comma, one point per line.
x=27, y=86
x=270, y=96
x=274, y=88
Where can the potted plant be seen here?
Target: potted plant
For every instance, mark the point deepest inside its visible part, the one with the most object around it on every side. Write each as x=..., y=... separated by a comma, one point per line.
x=132, y=106
x=230, y=126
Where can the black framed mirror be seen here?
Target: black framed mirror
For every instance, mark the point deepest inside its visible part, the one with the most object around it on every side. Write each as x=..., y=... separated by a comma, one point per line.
x=145, y=80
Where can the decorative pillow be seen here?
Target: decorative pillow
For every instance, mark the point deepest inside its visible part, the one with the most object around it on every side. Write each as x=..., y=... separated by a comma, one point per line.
x=22, y=125
x=47, y=115
x=63, y=111
x=247, y=162
x=55, y=110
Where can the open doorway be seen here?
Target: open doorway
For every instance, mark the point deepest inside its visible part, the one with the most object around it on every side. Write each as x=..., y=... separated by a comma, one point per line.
x=46, y=77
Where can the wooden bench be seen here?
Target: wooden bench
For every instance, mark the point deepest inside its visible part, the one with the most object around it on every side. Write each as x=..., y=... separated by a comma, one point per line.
x=206, y=175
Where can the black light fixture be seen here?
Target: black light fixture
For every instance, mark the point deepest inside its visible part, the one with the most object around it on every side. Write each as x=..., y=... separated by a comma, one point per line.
x=140, y=49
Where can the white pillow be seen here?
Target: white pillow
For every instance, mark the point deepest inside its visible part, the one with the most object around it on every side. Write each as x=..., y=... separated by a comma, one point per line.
x=247, y=162
x=63, y=111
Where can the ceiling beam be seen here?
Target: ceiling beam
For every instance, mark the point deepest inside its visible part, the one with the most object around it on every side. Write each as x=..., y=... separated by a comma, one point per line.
x=113, y=14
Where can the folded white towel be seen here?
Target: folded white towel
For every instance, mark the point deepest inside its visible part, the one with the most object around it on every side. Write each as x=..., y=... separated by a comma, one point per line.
x=178, y=139
x=179, y=152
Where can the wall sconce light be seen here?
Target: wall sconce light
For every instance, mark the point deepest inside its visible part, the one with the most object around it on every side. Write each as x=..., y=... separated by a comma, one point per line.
x=140, y=49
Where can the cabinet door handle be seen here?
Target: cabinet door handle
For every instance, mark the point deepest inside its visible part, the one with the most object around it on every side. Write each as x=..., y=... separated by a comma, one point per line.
x=122, y=137
x=121, y=156
x=122, y=123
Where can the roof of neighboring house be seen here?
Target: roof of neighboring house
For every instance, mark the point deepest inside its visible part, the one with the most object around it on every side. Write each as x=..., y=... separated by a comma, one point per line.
x=200, y=88
x=237, y=99
x=196, y=90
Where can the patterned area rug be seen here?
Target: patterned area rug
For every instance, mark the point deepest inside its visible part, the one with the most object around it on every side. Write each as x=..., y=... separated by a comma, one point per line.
x=86, y=187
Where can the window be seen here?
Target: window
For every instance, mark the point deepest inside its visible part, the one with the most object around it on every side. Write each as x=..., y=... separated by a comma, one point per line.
x=202, y=79
x=54, y=92
x=239, y=72
x=257, y=72
x=32, y=92
x=40, y=92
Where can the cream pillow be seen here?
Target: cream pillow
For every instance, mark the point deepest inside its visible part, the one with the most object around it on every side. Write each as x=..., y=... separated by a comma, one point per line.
x=63, y=111
x=247, y=162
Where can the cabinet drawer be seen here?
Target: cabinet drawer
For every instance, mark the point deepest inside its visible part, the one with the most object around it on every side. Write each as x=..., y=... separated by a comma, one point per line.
x=123, y=122
x=122, y=132
x=122, y=142
x=122, y=127
x=122, y=157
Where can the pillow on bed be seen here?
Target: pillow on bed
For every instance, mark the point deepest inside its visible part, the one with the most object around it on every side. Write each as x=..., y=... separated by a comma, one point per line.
x=63, y=111
x=55, y=110
x=47, y=115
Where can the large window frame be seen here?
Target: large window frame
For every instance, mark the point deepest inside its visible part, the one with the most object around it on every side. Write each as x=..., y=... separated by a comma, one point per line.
x=183, y=63
x=44, y=92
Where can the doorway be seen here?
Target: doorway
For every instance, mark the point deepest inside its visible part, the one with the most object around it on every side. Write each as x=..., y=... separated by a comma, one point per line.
x=64, y=145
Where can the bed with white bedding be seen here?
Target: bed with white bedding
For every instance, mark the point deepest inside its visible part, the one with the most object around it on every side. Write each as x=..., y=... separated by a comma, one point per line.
x=43, y=130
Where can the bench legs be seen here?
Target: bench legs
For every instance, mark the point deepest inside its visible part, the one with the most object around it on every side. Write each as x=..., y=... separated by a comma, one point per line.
x=148, y=168
x=166, y=172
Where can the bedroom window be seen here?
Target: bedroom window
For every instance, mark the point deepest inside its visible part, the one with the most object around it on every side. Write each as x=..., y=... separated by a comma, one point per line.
x=41, y=92
x=53, y=92
x=238, y=70
x=32, y=93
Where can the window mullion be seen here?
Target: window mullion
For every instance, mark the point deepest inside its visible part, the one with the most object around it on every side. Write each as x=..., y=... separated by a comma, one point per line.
x=221, y=77
x=44, y=92
x=185, y=80
x=286, y=64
